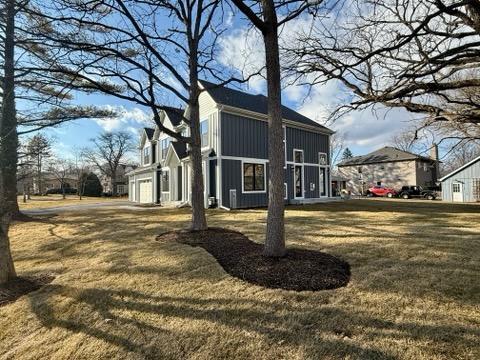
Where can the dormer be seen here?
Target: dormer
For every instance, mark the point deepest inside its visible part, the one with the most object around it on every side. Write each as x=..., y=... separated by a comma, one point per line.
x=147, y=147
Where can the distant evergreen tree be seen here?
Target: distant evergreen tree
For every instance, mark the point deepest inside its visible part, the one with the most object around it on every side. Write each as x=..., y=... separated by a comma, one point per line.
x=347, y=154
x=92, y=186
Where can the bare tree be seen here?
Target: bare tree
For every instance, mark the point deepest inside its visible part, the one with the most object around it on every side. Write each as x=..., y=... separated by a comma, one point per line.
x=80, y=168
x=337, y=147
x=422, y=56
x=108, y=151
x=264, y=15
x=61, y=170
x=150, y=54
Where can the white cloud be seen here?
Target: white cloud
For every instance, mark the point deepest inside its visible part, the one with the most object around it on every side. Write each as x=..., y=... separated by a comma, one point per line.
x=126, y=117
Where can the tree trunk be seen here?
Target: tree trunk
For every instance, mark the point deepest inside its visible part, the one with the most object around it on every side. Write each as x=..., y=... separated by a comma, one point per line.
x=112, y=183
x=24, y=193
x=63, y=192
x=275, y=236
x=199, y=220
x=8, y=146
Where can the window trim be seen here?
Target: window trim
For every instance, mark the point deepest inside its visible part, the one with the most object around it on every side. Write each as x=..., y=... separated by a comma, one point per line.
x=254, y=162
x=303, y=157
x=203, y=146
x=285, y=186
x=326, y=159
x=165, y=170
x=168, y=140
x=149, y=155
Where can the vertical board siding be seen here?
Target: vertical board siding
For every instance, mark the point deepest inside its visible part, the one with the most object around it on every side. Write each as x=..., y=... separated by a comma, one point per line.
x=232, y=179
x=244, y=137
x=312, y=175
x=311, y=143
x=465, y=177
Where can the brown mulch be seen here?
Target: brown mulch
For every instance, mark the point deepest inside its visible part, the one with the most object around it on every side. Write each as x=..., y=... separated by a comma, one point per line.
x=299, y=269
x=20, y=286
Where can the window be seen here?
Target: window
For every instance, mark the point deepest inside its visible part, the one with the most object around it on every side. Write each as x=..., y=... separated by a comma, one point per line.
x=253, y=177
x=322, y=159
x=286, y=191
x=298, y=156
x=165, y=181
x=146, y=155
x=425, y=167
x=456, y=188
x=476, y=189
x=165, y=143
x=359, y=169
x=204, y=133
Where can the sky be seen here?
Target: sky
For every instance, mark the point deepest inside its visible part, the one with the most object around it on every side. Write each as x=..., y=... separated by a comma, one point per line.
x=241, y=48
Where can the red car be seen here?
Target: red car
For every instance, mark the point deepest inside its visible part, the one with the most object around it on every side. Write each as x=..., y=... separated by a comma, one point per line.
x=380, y=190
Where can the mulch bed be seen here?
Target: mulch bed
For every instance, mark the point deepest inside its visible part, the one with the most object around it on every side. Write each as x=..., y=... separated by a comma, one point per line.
x=299, y=269
x=22, y=286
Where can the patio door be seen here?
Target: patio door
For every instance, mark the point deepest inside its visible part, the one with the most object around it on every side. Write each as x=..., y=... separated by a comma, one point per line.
x=323, y=182
x=457, y=192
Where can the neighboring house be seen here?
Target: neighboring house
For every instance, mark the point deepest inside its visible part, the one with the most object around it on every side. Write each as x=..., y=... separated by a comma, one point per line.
x=121, y=182
x=235, y=158
x=391, y=167
x=49, y=182
x=463, y=184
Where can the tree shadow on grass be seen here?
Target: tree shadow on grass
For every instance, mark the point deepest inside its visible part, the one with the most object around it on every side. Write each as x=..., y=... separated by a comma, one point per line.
x=158, y=326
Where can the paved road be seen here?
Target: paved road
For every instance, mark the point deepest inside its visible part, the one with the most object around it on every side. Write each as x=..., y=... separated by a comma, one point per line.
x=82, y=207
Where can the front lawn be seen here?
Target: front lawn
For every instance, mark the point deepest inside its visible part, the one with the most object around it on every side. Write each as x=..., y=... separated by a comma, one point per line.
x=414, y=291
x=56, y=200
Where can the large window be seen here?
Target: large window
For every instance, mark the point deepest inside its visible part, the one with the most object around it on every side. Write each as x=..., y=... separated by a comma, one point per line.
x=146, y=155
x=253, y=177
x=165, y=143
x=204, y=133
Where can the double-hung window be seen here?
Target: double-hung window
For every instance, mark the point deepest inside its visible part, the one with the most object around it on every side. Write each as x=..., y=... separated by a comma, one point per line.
x=204, y=133
x=253, y=177
x=165, y=143
x=146, y=155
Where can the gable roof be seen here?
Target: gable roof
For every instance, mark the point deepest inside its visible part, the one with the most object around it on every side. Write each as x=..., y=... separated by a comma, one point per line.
x=470, y=163
x=385, y=154
x=180, y=148
x=175, y=115
x=255, y=103
x=149, y=132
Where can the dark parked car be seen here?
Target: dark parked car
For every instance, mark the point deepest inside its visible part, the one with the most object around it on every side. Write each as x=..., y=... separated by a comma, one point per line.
x=408, y=192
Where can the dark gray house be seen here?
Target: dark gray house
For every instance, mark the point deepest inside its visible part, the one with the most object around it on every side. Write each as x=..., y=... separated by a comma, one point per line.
x=235, y=157
x=463, y=184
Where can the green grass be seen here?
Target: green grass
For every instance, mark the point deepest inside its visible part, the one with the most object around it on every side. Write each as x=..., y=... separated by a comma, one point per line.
x=414, y=292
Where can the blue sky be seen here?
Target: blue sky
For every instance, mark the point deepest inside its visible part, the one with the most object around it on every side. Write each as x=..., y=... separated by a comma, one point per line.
x=240, y=48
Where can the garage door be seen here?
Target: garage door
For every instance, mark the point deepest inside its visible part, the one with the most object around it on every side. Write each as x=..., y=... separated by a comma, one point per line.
x=145, y=191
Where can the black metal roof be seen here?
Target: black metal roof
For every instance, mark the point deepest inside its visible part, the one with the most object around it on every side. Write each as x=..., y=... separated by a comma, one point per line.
x=180, y=148
x=175, y=115
x=256, y=103
x=149, y=132
x=385, y=154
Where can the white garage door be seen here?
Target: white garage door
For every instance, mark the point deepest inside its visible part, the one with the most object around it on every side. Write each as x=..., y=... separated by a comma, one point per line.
x=145, y=191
